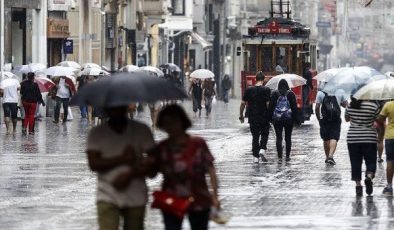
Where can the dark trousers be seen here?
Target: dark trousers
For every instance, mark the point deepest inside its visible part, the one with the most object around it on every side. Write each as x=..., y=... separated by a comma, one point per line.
x=260, y=132
x=198, y=220
x=208, y=103
x=305, y=98
x=358, y=152
x=288, y=128
x=225, y=95
x=61, y=102
x=196, y=103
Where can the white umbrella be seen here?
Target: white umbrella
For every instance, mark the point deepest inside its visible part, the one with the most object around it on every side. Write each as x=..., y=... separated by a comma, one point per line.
x=70, y=64
x=105, y=68
x=293, y=80
x=377, y=90
x=58, y=71
x=6, y=75
x=327, y=75
x=129, y=68
x=152, y=70
x=202, y=74
x=8, y=82
x=94, y=72
x=91, y=65
x=32, y=67
x=351, y=79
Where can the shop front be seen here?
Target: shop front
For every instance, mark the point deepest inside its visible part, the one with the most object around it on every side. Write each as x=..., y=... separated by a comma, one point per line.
x=58, y=32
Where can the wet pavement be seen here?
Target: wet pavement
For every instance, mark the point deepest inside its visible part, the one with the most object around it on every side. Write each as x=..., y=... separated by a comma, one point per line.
x=45, y=182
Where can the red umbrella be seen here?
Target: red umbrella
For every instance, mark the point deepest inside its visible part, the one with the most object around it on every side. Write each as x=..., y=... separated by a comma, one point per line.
x=45, y=84
x=70, y=81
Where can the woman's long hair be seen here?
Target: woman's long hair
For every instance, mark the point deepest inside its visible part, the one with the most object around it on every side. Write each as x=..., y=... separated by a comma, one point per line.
x=355, y=104
x=283, y=87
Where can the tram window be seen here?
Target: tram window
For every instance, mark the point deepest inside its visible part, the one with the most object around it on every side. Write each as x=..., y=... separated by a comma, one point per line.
x=294, y=59
x=281, y=60
x=267, y=59
x=253, y=59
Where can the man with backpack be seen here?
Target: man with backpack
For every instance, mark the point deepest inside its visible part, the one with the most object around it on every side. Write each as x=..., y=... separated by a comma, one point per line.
x=257, y=98
x=328, y=113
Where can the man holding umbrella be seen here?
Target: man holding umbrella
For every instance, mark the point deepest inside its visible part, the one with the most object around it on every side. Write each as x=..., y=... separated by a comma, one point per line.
x=257, y=98
x=63, y=95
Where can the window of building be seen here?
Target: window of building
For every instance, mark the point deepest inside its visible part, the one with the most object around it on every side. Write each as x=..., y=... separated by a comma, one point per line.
x=178, y=7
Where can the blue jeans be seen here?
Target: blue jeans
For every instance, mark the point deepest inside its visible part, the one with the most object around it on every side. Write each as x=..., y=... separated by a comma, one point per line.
x=225, y=96
x=84, y=111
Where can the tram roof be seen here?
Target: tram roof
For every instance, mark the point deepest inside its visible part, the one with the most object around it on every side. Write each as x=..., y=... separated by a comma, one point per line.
x=270, y=41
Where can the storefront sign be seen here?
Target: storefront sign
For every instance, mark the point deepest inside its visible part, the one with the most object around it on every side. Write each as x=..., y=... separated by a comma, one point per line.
x=58, y=28
x=68, y=46
x=31, y=4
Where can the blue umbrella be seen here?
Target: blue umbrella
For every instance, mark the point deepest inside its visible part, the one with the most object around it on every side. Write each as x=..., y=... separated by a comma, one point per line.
x=351, y=79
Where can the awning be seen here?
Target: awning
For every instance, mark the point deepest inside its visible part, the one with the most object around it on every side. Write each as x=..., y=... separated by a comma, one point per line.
x=178, y=24
x=204, y=43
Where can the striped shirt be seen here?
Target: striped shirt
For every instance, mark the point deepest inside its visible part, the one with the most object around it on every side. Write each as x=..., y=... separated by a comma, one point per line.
x=362, y=119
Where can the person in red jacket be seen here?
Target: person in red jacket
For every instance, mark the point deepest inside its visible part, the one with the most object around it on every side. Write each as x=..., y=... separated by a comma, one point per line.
x=30, y=95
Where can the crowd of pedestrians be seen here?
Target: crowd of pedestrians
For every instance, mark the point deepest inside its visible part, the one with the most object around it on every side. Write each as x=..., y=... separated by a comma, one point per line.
x=368, y=128
x=124, y=153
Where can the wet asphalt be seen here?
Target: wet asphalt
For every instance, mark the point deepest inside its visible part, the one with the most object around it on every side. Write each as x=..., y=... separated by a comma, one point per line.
x=45, y=182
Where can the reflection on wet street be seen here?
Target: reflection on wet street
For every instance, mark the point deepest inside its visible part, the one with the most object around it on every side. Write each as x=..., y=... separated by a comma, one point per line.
x=45, y=182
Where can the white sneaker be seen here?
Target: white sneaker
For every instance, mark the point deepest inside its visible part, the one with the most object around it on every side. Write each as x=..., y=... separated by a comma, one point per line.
x=256, y=160
x=262, y=153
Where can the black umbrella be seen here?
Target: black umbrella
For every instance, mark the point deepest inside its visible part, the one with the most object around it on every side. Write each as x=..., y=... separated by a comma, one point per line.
x=125, y=88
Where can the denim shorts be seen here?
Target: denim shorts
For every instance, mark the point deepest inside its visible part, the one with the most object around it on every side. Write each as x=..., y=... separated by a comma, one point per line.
x=389, y=144
x=10, y=110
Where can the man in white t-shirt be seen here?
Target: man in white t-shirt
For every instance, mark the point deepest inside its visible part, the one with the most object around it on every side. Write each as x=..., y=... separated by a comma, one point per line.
x=330, y=129
x=116, y=149
x=63, y=95
x=10, y=106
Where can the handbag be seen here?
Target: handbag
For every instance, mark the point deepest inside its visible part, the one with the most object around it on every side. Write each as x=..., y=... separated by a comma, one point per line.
x=172, y=204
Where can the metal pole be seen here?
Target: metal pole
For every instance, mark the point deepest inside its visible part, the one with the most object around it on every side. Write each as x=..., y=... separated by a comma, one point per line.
x=1, y=43
x=2, y=36
x=103, y=29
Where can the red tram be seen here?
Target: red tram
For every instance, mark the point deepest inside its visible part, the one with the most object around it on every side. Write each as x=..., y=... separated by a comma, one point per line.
x=277, y=45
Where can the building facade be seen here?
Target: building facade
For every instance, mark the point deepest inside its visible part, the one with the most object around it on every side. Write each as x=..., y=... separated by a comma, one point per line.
x=24, y=31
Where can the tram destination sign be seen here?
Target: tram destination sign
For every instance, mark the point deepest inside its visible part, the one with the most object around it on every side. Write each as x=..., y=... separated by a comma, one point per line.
x=273, y=28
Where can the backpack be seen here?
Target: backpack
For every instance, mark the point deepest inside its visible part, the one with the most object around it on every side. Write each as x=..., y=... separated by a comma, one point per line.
x=330, y=108
x=282, y=110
